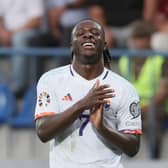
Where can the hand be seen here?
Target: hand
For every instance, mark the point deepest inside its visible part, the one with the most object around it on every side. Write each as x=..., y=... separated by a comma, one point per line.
x=96, y=117
x=97, y=96
x=5, y=37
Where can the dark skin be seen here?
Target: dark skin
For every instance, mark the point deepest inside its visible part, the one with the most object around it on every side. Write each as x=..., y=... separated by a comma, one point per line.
x=88, y=62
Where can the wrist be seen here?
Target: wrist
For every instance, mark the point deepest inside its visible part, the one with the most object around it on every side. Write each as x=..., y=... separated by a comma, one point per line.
x=80, y=105
x=102, y=130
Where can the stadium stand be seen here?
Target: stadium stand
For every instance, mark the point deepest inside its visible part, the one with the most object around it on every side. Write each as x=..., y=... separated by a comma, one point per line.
x=7, y=103
x=25, y=118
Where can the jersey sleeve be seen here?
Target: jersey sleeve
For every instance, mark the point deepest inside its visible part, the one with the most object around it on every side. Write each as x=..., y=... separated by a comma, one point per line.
x=46, y=104
x=129, y=113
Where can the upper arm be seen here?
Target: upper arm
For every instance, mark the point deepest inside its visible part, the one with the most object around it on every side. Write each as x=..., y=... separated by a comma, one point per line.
x=129, y=113
x=46, y=103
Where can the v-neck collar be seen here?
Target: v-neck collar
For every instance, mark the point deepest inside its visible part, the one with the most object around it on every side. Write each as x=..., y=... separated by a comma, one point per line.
x=76, y=75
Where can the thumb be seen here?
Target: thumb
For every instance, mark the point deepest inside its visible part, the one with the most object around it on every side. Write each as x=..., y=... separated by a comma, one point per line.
x=96, y=84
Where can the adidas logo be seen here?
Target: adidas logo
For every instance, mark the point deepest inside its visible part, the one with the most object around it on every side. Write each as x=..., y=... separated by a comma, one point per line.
x=67, y=97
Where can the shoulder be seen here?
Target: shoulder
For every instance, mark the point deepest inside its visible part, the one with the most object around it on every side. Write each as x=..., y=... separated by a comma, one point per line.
x=54, y=75
x=121, y=83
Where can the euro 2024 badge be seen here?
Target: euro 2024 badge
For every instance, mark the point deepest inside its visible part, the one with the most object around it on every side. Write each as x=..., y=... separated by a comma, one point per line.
x=44, y=99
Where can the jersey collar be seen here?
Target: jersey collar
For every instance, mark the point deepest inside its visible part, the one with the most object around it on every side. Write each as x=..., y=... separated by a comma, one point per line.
x=102, y=76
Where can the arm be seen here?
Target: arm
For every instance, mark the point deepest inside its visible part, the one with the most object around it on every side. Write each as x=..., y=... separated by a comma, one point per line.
x=127, y=143
x=31, y=24
x=53, y=18
x=150, y=10
x=5, y=35
x=50, y=127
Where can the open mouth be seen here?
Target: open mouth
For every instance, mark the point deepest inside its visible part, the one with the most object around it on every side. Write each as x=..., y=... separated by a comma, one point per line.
x=88, y=45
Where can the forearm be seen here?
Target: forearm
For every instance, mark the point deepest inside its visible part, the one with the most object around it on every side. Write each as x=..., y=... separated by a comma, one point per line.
x=150, y=9
x=50, y=127
x=1, y=24
x=127, y=143
x=53, y=19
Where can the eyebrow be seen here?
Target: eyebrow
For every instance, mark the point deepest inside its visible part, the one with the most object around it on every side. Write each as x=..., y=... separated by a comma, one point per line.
x=90, y=29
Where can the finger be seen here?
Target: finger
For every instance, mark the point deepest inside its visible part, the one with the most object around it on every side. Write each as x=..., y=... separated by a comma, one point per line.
x=106, y=91
x=102, y=97
x=102, y=102
x=102, y=87
x=97, y=83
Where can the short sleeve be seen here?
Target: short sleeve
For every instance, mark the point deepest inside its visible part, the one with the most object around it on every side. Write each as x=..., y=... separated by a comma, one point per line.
x=46, y=104
x=129, y=113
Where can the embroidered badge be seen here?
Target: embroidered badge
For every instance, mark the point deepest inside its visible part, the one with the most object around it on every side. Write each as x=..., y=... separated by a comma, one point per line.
x=44, y=99
x=134, y=109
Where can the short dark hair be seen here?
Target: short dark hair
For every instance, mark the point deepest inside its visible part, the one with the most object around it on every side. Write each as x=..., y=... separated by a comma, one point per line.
x=141, y=28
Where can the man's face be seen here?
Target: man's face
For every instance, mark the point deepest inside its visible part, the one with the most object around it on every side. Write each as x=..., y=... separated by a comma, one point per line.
x=88, y=42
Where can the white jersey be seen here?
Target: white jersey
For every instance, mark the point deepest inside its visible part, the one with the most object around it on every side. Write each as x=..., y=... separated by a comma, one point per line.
x=80, y=146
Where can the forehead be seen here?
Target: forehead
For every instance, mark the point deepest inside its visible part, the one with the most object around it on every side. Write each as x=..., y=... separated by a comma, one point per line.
x=88, y=25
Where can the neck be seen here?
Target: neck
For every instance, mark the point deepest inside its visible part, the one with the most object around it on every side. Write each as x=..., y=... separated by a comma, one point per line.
x=88, y=72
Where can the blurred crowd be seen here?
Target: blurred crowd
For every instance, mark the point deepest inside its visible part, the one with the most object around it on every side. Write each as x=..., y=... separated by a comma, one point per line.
x=128, y=24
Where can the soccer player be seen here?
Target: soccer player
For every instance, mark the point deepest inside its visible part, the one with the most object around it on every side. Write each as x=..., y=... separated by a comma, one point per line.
x=89, y=114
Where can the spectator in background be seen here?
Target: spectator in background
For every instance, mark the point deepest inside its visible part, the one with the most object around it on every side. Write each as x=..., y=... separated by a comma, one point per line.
x=118, y=15
x=148, y=76
x=97, y=13
x=158, y=14
x=62, y=15
x=158, y=43
x=19, y=21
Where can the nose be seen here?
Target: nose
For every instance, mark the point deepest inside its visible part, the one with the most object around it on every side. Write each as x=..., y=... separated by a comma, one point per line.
x=88, y=35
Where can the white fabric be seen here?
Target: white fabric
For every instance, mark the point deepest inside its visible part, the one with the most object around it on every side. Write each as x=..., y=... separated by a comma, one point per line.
x=17, y=12
x=71, y=16
x=70, y=150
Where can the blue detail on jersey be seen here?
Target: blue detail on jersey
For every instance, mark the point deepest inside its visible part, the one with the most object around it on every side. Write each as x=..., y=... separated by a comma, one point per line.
x=106, y=106
x=86, y=117
x=71, y=71
x=105, y=75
